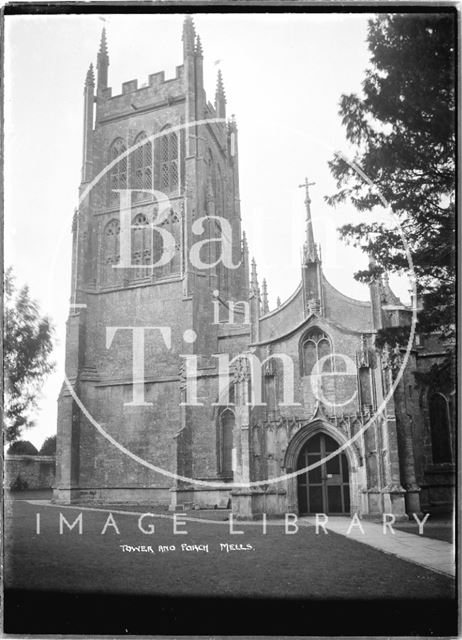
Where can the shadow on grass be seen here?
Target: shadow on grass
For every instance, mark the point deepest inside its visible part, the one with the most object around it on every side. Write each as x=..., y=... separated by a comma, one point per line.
x=439, y=527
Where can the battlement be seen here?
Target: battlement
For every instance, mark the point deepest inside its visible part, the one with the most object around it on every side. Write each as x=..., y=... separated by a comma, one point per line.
x=154, y=80
x=156, y=92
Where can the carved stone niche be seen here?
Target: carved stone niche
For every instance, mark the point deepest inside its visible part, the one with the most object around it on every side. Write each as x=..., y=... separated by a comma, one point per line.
x=314, y=306
x=363, y=359
x=269, y=368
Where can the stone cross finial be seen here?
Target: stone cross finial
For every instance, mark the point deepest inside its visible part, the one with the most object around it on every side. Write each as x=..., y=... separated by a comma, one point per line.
x=307, y=186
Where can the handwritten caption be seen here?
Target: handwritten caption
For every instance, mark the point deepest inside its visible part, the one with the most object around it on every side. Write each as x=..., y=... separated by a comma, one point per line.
x=185, y=548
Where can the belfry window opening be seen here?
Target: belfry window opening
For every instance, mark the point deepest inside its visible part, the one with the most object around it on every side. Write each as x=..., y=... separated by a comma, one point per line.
x=118, y=172
x=142, y=168
x=169, y=173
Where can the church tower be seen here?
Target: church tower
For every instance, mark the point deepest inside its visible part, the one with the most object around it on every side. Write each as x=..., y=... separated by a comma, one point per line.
x=159, y=192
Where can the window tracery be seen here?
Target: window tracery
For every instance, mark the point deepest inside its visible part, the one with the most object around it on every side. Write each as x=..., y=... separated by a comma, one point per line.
x=169, y=171
x=111, y=251
x=118, y=173
x=142, y=167
x=315, y=345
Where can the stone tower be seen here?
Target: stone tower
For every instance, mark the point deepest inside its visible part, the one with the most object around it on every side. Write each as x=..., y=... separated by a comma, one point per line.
x=178, y=154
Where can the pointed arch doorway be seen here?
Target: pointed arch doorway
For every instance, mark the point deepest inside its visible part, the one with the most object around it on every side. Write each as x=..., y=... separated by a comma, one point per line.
x=325, y=489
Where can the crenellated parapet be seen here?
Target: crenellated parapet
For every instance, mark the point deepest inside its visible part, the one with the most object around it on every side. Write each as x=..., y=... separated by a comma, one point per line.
x=156, y=94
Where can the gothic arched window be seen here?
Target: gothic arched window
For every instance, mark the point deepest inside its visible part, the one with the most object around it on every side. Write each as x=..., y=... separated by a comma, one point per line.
x=226, y=421
x=325, y=349
x=141, y=167
x=169, y=171
x=111, y=251
x=141, y=246
x=315, y=345
x=118, y=172
x=173, y=226
x=440, y=428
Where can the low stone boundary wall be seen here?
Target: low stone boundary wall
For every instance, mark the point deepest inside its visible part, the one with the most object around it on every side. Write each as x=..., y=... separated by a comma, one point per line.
x=24, y=472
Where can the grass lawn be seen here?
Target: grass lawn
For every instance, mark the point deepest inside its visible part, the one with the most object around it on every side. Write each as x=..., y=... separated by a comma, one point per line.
x=303, y=567
x=278, y=565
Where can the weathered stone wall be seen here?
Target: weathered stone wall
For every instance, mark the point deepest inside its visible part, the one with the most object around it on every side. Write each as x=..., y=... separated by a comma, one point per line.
x=436, y=480
x=345, y=311
x=33, y=472
x=287, y=316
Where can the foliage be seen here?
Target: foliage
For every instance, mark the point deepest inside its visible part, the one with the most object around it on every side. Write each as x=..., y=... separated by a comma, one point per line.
x=392, y=336
x=48, y=448
x=27, y=348
x=19, y=484
x=403, y=130
x=22, y=447
x=441, y=376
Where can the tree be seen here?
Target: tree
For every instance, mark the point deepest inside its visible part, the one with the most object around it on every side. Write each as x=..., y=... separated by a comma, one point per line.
x=48, y=448
x=22, y=447
x=403, y=132
x=27, y=348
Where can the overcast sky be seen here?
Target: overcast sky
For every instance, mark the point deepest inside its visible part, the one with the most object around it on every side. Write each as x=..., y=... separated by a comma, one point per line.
x=283, y=74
